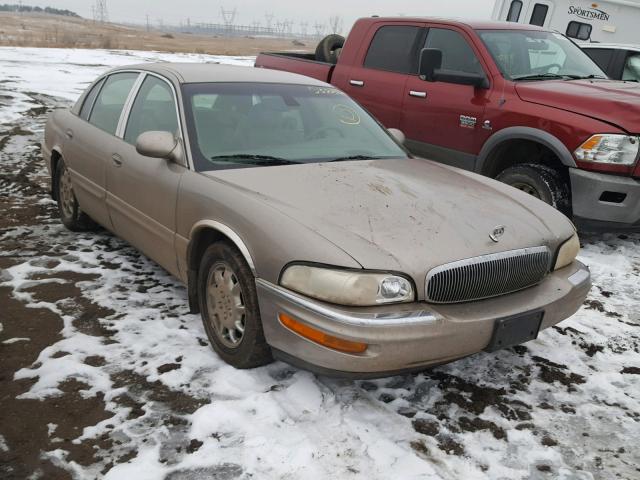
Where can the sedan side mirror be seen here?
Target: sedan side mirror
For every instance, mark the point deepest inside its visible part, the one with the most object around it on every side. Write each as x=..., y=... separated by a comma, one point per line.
x=430, y=61
x=157, y=144
x=397, y=134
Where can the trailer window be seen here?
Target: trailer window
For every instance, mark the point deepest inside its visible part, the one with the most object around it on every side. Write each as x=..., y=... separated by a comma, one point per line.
x=514, y=11
x=539, y=14
x=579, y=30
x=393, y=48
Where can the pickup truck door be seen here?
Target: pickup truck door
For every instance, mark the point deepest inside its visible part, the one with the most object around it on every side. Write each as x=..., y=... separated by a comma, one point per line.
x=378, y=75
x=142, y=191
x=444, y=121
x=90, y=136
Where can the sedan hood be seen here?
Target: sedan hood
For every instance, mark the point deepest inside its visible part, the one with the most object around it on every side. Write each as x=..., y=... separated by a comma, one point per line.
x=406, y=215
x=617, y=103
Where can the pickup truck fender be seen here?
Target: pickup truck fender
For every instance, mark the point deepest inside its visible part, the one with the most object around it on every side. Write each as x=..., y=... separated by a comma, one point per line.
x=522, y=133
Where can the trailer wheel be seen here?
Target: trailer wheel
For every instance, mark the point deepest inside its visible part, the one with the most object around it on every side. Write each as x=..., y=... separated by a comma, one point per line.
x=329, y=48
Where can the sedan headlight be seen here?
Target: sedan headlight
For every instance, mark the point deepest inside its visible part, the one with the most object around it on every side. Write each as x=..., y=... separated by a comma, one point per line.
x=347, y=287
x=609, y=148
x=567, y=252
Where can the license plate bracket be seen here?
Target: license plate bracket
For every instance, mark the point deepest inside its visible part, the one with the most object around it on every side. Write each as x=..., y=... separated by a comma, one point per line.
x=514, y=330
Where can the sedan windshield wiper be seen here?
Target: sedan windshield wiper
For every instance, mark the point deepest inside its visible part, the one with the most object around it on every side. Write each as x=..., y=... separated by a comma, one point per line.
x=257, y=159
x=352, y=157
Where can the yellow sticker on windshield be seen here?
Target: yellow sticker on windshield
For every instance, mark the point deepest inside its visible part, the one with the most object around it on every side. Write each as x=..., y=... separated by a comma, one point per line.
x=346, y=114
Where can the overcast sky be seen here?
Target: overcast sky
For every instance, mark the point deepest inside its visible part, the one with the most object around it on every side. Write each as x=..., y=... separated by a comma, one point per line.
x=248, y=11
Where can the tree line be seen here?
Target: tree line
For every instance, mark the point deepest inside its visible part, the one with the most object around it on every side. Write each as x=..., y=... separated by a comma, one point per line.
x=8, y=7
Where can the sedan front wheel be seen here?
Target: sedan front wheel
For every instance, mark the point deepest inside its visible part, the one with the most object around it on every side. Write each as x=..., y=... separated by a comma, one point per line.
x=229, y=308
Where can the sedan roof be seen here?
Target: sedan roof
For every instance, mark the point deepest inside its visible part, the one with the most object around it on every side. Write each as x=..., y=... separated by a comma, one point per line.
x=211, y=72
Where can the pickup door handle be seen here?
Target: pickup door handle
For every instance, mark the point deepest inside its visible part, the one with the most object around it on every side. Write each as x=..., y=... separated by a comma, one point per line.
x=357, y=83
x=117, y=160
x=69, y=134
x=415, y=93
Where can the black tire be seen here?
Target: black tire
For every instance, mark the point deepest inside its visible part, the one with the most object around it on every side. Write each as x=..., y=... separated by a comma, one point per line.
x=540, y=181
x=252, y=350
x=329, y=48
x=69, y=210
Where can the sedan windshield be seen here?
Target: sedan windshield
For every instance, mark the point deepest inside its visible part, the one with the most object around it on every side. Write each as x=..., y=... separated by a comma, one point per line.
x=536, y=55
x=235, y=125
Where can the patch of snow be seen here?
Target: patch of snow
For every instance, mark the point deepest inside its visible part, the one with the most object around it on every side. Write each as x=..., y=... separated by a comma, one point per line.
x=15, y=340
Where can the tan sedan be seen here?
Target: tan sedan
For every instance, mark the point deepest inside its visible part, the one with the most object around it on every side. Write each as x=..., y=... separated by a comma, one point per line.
x=302, y=228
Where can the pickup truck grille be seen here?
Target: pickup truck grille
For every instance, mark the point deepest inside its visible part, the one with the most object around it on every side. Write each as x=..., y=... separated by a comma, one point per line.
x=487, y=276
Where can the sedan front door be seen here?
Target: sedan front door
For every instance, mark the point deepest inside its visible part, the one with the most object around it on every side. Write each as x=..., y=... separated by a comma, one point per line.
x=142, y=191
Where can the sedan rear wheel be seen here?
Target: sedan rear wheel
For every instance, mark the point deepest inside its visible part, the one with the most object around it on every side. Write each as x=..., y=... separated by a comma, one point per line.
x=70, y=213
x=229, y=307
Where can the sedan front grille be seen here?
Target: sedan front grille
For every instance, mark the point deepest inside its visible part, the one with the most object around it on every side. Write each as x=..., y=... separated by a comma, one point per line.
x=487, y=276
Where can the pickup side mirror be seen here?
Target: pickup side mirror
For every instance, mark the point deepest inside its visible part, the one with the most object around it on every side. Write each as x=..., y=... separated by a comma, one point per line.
x=157, y=144
x=430, y=69
x=397, y=134
x=430, y=61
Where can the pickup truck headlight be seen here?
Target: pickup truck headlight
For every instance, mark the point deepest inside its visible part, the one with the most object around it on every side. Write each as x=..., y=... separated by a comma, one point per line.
x=609, y=148
x=568, y=252
x=347, y=287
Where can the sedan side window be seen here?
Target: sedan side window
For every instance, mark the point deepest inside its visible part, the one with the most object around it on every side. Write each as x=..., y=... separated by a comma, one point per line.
x=110, y=101
x=90, y=99
x=154, y=109
x=632, y=68
x=457, y=55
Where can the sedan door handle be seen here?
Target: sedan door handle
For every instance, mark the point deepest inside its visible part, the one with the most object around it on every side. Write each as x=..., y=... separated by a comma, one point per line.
x=415, y=93
x=117, y=160
x=357, y=83
x=69, y=134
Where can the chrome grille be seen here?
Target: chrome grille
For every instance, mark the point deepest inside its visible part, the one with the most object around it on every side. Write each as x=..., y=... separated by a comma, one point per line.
x=487, y=276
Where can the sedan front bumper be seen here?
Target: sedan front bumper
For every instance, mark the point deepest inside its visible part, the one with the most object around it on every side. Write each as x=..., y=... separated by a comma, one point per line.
x=409, y=336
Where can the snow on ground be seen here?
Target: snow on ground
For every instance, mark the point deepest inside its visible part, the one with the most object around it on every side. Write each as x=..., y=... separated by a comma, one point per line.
x=566, y=405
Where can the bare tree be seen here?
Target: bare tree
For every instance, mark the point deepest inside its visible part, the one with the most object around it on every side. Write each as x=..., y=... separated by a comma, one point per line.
x=335, y=23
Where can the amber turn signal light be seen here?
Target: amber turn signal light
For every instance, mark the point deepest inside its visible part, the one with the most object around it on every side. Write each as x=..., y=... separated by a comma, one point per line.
x=321, y=338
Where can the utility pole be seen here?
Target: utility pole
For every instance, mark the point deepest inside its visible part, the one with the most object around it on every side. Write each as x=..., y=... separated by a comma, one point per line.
x=147, y=21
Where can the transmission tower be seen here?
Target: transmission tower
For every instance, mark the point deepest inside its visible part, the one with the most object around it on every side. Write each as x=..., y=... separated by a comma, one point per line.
x=303, y=28
x=99, y=11
x=228, y=17
x=269, y=18
x=319, y=27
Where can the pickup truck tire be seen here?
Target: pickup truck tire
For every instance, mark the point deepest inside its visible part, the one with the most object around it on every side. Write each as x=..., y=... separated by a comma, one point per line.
x=70, y=213
x=328, y=49
x=540, y=181
x=229, y=307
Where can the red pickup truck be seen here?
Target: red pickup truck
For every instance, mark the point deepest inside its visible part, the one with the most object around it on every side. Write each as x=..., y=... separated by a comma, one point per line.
x=514, y=102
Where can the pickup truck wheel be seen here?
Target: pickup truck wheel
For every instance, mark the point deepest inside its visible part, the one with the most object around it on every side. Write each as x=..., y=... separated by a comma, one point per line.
x=329, y=48
x=540, y=181
x=70, y=213
x=229, y=308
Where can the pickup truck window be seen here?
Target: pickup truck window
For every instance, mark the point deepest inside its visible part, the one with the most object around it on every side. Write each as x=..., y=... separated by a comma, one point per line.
x=533, y=55
x=110, y=101
x=89, y=99
x=457, y=55
x=393, y=48
x=236, y=125
x=153, y=109
x=602, y=56
x=631, y=70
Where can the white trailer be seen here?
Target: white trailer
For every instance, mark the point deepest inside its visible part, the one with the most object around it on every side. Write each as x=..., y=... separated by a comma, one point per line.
x=587, y=21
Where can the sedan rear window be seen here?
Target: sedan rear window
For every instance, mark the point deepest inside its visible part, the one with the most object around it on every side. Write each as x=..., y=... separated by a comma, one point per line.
x=110, y=101
x=234, y=125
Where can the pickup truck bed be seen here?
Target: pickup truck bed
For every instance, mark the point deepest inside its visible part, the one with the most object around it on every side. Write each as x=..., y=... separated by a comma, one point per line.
x=306, y=64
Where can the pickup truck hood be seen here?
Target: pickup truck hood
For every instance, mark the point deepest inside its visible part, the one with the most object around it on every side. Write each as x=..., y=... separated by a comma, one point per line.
x=406, y=215
x=614, y=102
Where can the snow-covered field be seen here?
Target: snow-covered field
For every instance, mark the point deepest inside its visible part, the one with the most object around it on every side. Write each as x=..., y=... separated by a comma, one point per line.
x=564, y=406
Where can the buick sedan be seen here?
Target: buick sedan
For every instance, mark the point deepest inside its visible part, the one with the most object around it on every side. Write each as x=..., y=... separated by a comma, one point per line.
x=302, y=228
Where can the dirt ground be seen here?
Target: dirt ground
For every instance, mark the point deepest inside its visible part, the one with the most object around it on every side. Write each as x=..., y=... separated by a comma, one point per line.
x=39, y=30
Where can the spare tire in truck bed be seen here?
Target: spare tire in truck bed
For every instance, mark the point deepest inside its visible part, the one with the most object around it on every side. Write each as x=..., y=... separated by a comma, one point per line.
x=328, y=50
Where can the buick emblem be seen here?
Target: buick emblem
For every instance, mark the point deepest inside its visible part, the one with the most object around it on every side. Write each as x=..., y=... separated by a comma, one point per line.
x=497, y=233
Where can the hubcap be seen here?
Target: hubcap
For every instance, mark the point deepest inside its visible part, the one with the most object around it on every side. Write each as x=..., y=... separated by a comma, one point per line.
x=526, y=188
x=66, y=194
x=225, y=304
